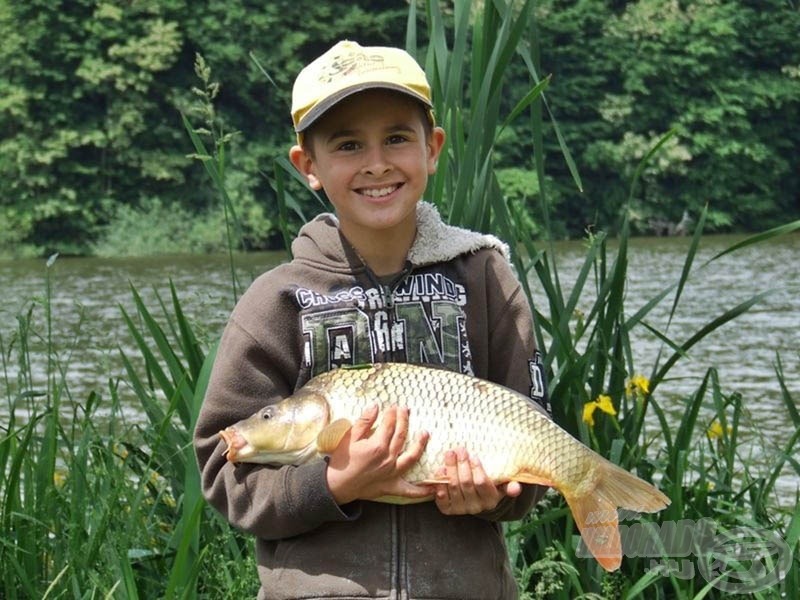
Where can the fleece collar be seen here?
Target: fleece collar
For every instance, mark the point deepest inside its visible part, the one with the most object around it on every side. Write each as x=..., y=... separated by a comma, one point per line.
x=437, y=241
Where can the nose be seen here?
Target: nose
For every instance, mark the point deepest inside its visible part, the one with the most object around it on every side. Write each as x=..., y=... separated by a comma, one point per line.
x=376, y=163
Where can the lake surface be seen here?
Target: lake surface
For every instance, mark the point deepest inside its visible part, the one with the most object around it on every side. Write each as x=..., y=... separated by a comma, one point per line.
x=88, y=329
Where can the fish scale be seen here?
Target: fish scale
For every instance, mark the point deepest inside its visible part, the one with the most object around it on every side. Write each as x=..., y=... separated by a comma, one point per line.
x=504, y=443
x=514, y=439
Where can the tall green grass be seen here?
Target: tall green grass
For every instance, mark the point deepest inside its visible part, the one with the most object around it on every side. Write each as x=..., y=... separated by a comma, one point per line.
x=96, y=503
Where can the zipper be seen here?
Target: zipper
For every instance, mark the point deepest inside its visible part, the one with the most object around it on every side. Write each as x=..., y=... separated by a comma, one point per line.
x=398, y=570
x=388, y=290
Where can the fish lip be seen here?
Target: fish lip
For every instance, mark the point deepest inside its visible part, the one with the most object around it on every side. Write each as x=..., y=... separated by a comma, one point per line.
x=234, y=442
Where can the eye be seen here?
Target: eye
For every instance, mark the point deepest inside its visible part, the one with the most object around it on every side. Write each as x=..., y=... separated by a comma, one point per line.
x=396, y=139
x=267, y=414
x=347, y=146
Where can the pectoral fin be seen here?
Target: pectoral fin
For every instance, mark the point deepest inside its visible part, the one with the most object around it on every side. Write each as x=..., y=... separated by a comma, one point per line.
x=329, y=438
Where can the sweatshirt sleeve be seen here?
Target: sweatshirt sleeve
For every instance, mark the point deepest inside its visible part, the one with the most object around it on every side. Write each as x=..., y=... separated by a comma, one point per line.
x=512, y=349
x=252, y=369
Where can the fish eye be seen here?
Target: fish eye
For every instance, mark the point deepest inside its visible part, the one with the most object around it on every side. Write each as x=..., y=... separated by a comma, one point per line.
x=267, y=414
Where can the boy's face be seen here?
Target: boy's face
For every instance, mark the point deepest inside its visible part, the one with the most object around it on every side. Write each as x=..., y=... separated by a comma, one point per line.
x=372, y=156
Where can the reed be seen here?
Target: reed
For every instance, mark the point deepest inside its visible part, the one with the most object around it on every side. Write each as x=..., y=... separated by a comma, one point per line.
x=95, y=503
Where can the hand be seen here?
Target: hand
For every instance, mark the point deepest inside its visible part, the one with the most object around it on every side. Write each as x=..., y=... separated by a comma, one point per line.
x=369, y=464
x=469, y=490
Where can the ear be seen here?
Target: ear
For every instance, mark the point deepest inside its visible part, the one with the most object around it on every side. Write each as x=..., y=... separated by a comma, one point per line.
x=435, y=144
x=304, y=163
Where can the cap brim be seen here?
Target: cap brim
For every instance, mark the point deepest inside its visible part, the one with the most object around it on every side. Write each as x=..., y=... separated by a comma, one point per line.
x=322, y=107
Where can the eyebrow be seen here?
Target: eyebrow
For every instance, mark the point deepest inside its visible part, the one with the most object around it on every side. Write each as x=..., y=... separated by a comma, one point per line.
x=345, y=133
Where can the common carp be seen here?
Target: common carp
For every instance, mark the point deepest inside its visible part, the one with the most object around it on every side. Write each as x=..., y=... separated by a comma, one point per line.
x=514, y=439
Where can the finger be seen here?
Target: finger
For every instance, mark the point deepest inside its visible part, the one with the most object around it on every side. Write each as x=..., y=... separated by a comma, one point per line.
x=386, y=429
x=414, y=452
x=454, y=490
x=363, y=425
x=442, y=490
x=409, y=490
x=449, y=472
x=512, y=489
x=472, y=502
x=486, y=491
x=465, y=480
x=400, y=433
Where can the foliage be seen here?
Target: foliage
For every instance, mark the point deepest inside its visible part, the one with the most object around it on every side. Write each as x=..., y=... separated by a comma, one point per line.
x=151, y=229
x=96, y=502
x=91, y=93
x=717, y=72
x=467, y=57
x=87, y=122
x=699, y=464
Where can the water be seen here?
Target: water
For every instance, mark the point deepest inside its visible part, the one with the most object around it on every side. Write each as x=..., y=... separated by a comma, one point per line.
x=744, y=350
x=88, y=328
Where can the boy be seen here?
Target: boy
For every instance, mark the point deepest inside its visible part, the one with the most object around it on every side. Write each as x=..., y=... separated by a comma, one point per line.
x=383, y=280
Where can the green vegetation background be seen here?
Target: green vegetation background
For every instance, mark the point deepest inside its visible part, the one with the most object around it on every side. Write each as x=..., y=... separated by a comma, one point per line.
x=95, y=503
x=93, y=152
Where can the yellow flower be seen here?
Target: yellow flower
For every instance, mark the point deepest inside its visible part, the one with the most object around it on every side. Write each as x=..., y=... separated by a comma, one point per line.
x=588, y=413
x=603, y=403
x=638, y=383
x=714, y=431
x=59, y=478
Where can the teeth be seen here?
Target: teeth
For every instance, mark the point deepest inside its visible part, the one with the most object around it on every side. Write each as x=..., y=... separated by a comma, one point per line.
x=377, y=193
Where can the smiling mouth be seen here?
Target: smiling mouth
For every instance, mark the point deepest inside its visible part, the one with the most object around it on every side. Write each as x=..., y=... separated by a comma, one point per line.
x=381, y=191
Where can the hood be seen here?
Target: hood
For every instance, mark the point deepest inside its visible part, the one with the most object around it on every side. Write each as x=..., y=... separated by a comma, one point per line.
x=320, y=241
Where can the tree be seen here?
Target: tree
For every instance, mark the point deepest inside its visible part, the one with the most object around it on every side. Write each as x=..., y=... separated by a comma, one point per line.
x=716, y=72
x=91, y=94
x=89, y=120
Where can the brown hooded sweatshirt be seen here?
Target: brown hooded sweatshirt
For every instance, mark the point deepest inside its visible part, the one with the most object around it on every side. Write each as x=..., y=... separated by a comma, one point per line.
x=457, y=304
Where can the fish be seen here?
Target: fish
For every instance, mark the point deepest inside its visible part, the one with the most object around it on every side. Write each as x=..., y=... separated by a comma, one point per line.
x=513, y=437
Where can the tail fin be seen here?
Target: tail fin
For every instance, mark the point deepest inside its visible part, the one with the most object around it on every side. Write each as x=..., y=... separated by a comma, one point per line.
x=595, y=511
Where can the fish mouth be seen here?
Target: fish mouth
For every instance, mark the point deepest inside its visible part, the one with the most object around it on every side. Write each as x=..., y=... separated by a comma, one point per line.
x=234, y=441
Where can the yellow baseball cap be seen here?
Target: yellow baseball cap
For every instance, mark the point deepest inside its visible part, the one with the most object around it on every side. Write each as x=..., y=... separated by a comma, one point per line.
x=348, y=68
